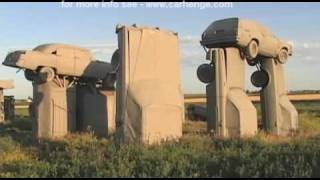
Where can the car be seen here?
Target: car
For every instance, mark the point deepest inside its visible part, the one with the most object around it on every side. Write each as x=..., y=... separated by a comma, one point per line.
x=49, y=60
x=253, y=38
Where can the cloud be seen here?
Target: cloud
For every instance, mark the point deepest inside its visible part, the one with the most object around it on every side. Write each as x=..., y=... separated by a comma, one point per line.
x=309, y=58
x=313, y=45
x=191, y=51
x=189, y=39
x=305, y=45
x=306, y=52
x=99, y=45
x=102, y=48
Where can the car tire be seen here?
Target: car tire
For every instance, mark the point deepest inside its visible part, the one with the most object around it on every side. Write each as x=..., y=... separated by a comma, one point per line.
x=29, y=75
x=115, y=59
x=260, y=78
x=205, y=73
x=252, y=50
x=108, y=82
x=46, y=74
x=283, y=56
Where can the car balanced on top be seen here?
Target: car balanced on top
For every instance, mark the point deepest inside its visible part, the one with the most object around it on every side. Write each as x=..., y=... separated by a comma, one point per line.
x=254, y=40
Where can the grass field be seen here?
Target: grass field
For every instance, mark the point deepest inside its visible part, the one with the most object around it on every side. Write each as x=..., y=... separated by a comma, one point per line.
x=195, y=155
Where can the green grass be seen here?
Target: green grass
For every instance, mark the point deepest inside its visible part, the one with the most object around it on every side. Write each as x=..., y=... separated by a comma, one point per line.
x=195, y=155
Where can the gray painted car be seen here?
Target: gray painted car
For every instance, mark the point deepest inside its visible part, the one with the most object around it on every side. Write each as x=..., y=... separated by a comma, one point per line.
x=255, y=38
x=61, y=59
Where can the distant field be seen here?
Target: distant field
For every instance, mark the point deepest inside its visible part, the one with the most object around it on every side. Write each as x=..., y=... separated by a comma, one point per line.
x=296, y=97
x=22, y=112
x=196, y=155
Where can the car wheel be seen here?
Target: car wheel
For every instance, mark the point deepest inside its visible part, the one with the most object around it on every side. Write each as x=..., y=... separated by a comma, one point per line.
x=29, y=75
x=115, y=58
x=283, y=56
x=46, y=74
x=252, y=50
x=260, y=78
x=109, y=81
x=205, y=73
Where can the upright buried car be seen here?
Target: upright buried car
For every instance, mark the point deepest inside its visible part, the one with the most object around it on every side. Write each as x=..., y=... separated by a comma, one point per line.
x=254, y=38
x=49, y=60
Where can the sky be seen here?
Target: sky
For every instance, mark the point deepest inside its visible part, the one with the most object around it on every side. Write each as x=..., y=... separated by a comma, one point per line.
x=92, y=26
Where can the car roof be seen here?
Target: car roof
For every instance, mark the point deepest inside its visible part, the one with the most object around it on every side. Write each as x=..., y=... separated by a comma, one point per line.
x=49, y=48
